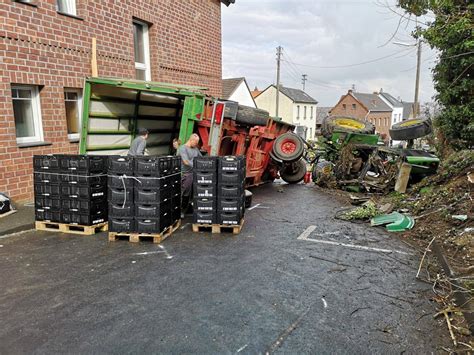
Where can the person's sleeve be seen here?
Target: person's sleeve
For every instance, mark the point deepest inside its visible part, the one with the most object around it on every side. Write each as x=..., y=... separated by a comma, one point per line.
x=141, y=147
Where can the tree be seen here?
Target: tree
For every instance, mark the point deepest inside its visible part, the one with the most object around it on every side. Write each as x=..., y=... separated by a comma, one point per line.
x=452, y=33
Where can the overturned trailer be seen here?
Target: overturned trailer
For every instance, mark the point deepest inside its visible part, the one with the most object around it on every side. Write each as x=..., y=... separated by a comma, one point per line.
x=114, y=110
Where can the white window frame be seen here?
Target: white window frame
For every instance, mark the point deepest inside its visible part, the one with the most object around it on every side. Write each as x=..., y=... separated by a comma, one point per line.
x=146, y=44
x=304, y=112
x=311, y=112
x=72, y=11
x=79, y=104
x=297, y=112
x=36, y=109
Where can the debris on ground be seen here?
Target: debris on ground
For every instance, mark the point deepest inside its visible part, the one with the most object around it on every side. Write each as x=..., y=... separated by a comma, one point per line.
x=394, y=222
x=365, y=212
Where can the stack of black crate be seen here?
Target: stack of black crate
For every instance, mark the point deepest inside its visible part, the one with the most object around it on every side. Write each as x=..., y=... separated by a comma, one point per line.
x=204, y=190
x=144, y=193
x=71, y=189
x=231, y=190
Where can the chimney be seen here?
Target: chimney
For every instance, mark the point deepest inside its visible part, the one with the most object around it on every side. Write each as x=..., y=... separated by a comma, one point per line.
x=349, y=91
x=381, y=90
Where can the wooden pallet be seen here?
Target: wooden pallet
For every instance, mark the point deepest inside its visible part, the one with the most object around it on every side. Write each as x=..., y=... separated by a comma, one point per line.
x=218, y=228
x=71, y=228
x=136, y=237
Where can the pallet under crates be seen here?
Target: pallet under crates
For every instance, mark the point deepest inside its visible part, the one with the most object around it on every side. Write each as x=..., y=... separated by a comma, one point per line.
x=218, y=228
x=136, y=237
x=71, y=228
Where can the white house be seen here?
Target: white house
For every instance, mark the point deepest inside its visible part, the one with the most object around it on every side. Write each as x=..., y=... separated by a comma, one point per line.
x=394, y=104
x=295, y=107
x=237, y=89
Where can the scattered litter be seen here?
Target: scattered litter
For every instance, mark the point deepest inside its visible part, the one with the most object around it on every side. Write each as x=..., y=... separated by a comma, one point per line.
x=364, y=212
x=386, y=208
x=460, y=217
x=394, y=222
x=355, y=200
x=133, y=261
x=324, y=302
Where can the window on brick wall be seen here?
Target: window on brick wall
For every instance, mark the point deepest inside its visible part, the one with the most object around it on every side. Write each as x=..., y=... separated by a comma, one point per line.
x=344, y=106
x=142, y=51
x=73, y=105
x=66, y=7
x=353, y=106
x=27, y=112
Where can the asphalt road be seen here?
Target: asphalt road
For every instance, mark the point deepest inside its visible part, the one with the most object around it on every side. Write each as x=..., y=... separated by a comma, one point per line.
x=263, y=290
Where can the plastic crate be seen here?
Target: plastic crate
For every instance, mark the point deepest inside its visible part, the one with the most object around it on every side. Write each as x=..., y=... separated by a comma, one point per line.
x=84, y=219
x=148, y=182
x=205, y=217
x=152, y=211
x=231, y=177
x=150, y=225
x=46, y=215
x=48, y=203
x=83, y=164
x=229, y=218
x=231, y=204
x=120, y=196
x=120, y=181
x=204, y=191
x=75, y=179
x=47, y=190
x=204, y=178
x=83, y=191
x=46, y=162
x=46, y=177
x=205, y=164
x=119, y=210
x=230, y=191
x=120, y=165
x=151, y=196
x=232, y=163
x=175, y=212
x=205, y=204
x=83, y=206
x=122, y=225
x=175, y=164
x=153, y=165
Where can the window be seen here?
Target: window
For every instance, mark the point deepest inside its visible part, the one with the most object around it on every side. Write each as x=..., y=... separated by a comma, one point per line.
x=66, y=6
x=73, y=104
x=311, y=112
x=344, y=106
x=310, y=132
x=304, y=112
x=297, y=111
x=27, y=112
x=353, y=106
x=142, y=52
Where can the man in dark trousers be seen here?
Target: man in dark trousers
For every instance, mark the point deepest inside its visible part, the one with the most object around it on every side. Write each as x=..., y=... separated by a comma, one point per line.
x=138, y=145
x=188, y=152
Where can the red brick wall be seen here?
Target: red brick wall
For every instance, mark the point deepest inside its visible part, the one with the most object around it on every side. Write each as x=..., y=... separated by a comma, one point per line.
x=41, y=47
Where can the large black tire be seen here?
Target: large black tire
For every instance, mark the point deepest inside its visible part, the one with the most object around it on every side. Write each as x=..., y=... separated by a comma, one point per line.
x=288, y=147
x=252, y=116
x=349, y=124
x=293, y=173
x=410, y=129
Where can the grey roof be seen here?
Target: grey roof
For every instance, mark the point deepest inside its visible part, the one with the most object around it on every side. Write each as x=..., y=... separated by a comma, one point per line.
x=372, y=101
x=393, y=101
x=297, y=95
x=322, y=113
x=407, y=110
x=228, y=2
x=229, y=86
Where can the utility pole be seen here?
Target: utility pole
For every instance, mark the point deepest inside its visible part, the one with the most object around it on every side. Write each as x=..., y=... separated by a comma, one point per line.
x=279, y=48
x=304, y=80
x=417, y=81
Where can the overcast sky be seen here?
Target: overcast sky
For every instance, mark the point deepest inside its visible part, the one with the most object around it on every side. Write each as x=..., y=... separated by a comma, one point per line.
x=323, y=33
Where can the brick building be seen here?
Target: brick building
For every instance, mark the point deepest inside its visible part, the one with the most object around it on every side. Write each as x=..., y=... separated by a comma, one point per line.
x=45, y=51
x=369, y=107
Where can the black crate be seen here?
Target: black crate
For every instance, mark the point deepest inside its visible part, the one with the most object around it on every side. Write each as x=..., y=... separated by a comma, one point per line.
x=84, y=219
x=175, y=212
x=229, y=218
x=88, y=192
x=174, y=180
x=204, y=204
x=153, y=211
x=83, y=164
x=120, y=196
x=119, y=210
x=232, y=163
x=120, y=164
x=46, y=215
x=205, y=164
x=230, y=191
x=235, y=204
x=46, y=177
x=47, y=190
x=46, y=162
x=151, y=196
x=231, y=177
x=204, y=191
x=48, y=203
x=120, y=181
x=152, y=225
x=153, y=165
x=204, y=178
x=148, y=182
x=207, y=217
x=75, y=179
x=122, y=225
x=83, y=206
x=175, y=164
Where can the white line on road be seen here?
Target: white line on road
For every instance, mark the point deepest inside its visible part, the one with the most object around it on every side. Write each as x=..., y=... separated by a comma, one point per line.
x=150, y=252
x=324, y=303
x=307, y=232
x=242, y=348
x=184, y=225
x=251, y=208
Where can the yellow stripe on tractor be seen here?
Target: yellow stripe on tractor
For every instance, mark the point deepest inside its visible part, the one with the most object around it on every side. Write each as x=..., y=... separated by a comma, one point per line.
x=348, y=123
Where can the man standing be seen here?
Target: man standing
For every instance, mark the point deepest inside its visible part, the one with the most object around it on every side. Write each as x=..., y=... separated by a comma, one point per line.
x=188, y=152
x=139, y=144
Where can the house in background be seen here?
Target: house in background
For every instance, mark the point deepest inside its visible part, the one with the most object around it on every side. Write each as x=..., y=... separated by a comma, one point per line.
x=255, y=92
x=237, y=89
x=401, y=111
x=45, y=48
x=369, y=107
x=295, y=107
x=321, y=114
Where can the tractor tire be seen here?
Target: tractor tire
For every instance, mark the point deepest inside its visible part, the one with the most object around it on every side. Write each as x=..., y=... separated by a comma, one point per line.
x=251, y=116
x=348, y=124
x=410, y=129
x=293, y=173
x=288, y=147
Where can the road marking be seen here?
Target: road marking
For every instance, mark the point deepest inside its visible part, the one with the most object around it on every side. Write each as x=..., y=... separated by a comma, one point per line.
x=324, y=303
x=150, y=252
x=310, y=229
x=184, y=226
x=242, y=348
x=251, y=208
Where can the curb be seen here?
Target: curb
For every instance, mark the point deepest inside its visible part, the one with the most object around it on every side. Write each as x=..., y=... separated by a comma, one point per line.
x=21, y=228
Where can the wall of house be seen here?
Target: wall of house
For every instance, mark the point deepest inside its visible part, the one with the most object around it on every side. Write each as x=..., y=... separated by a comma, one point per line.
x=382, y=122
x=267, y=101
x=242, y=95
x=41, y=47
x=309, y=121
x=345, y=107
x=397, y=112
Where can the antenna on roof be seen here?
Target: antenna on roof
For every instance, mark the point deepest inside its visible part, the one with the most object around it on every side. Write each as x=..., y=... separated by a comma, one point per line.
x=353, y=87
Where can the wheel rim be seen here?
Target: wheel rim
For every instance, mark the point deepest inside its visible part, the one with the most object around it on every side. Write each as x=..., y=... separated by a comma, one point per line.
x=288, y=146
x=410, y=123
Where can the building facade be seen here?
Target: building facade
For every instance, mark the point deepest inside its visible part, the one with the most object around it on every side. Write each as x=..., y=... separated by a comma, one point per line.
x=237, y=89
x=46, y=48
x=295, y=107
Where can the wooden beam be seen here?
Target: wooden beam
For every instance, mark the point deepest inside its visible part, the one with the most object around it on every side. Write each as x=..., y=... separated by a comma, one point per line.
x=94, y=68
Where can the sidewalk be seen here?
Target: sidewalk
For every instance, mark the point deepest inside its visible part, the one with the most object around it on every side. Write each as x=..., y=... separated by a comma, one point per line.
x=22, y=219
